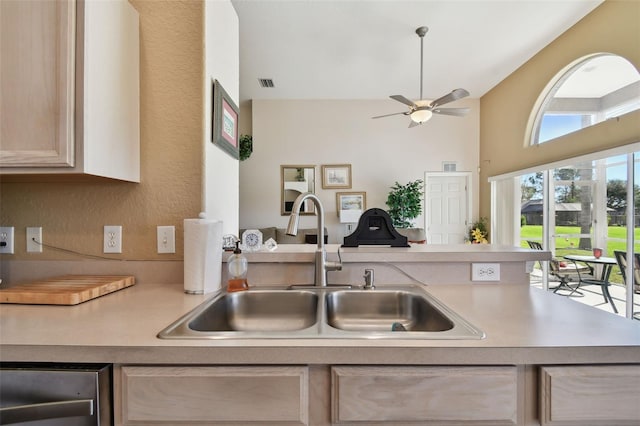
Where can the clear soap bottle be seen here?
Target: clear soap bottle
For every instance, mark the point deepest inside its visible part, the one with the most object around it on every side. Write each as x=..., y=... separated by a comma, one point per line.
x=237, y=265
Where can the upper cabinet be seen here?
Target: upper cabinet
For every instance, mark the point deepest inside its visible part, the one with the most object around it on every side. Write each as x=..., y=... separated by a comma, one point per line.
x=69, y=99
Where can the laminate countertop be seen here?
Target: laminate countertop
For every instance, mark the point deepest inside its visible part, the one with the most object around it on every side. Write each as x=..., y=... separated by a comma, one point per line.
x=523, y=325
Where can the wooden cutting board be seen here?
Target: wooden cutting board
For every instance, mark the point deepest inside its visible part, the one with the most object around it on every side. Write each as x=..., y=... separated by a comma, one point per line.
x=65, y=290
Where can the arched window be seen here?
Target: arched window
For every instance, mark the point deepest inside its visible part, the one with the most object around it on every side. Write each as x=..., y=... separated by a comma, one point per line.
x=588, y=91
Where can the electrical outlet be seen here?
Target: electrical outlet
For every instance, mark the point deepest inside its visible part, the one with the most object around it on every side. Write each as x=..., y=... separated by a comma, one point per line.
x=166, y=239
x=112, y=239
x=34, y=233
x=485, y=272
x=6, y=239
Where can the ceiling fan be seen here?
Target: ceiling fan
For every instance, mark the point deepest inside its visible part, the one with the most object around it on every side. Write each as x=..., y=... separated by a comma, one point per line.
x=421, y=110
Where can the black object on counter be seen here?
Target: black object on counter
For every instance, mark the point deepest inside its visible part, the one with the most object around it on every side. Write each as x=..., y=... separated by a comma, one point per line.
x=375, y=228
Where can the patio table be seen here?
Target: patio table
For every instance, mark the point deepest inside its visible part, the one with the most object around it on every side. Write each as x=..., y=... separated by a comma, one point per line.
x=607, y=264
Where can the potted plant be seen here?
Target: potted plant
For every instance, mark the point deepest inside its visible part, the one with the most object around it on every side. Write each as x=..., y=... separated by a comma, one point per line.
x=405, y=203
x=478, y=233
x=246, y=146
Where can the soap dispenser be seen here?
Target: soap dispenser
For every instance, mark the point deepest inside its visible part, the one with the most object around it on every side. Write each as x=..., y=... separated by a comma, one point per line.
x=237, y=265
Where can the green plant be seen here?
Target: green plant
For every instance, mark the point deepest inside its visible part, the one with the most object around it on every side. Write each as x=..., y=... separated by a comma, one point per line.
x=405, y=203
x=246, y=146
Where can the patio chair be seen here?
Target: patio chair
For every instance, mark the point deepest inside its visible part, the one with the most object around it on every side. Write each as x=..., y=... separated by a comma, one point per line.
x=590, y=278
x=621, y=258
x=565, y=274
x=562, y=272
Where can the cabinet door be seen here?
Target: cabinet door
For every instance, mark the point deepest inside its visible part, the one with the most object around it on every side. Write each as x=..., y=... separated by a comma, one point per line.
x=37, y=83
x=427, y=395
x=214, y=395
x=590, y=395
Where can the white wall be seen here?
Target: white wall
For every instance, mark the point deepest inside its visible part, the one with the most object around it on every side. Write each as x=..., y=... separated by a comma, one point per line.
x=380, y=151
x=222, y=62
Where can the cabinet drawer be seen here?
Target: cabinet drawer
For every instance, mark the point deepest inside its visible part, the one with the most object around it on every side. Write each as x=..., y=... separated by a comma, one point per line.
x=590, y=395
x=212, y=395
x=429, y=395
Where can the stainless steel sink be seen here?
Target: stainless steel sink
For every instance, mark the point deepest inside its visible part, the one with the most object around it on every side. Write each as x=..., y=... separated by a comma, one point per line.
x=391, y=312
x=259, y=311
x=384, y=310
x=254, y=313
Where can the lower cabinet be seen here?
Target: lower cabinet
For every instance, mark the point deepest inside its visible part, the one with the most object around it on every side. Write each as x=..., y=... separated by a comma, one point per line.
x=425, y=395
x=212, y=395
x=323, y=395
x=316, y=395
x=590, y=395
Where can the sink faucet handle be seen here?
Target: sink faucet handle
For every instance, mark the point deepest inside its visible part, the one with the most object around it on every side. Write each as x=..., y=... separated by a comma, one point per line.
x=333, y=266
x=368, y=279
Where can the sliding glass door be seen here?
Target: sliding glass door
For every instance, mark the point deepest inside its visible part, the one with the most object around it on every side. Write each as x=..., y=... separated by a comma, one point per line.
x=574, y=208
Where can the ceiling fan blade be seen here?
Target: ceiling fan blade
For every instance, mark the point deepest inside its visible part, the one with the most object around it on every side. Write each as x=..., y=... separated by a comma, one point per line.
x=404, y=100
x=450, y=97
x=389, y=115
x=458, y=112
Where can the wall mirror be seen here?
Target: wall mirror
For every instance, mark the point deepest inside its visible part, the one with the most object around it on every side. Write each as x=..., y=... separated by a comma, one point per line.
x=296, y=180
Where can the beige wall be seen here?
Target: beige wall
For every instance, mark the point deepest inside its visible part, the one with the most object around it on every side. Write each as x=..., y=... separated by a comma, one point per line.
x=380, y=152
x=613, y=27
x=171, y=116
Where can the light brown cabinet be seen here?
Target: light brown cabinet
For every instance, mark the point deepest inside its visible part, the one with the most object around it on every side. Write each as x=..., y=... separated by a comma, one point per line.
x=69, y=99
x=324, y=395
x=317, y=395
x=213, y=395
x=425, y=395
x=590, y=395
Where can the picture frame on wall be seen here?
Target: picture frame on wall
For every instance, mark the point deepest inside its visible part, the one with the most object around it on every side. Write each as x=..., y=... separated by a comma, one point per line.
x=336, y=176
x=224, y=121
x=351, y=202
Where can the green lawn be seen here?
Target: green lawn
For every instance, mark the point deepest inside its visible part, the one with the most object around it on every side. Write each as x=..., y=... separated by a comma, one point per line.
x=569, y=245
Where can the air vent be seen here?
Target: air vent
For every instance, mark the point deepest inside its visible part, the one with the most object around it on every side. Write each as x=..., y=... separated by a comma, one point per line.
x=266, y=82
x=449, y=166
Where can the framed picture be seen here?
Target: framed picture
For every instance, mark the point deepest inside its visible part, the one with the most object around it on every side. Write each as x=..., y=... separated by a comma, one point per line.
x=336, y=176
x=224, y=121
x=351, y=201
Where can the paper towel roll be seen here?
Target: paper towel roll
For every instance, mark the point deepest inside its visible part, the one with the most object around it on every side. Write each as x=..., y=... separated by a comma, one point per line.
x=202, y=255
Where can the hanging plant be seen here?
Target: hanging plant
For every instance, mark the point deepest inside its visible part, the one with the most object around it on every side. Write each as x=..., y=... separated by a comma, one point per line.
x=405, y=203
x=246, y=146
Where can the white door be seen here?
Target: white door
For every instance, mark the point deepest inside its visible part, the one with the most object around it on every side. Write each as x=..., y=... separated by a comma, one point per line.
x=447, y=207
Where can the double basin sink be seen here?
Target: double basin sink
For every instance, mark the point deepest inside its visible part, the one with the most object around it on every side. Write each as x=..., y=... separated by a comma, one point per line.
x=395, y=312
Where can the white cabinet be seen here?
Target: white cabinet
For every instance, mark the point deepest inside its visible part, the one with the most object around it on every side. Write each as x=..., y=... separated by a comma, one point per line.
x=590, y=395
x=212, y=395
x=69, y=99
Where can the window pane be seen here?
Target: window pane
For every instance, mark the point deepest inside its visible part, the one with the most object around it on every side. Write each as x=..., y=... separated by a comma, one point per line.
x=594, y=89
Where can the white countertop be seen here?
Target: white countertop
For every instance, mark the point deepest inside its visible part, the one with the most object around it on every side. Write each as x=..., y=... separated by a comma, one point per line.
x=523, y=325
x=425, y=253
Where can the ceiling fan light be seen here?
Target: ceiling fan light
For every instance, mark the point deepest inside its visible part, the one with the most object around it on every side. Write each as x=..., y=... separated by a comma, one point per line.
x=421, y=115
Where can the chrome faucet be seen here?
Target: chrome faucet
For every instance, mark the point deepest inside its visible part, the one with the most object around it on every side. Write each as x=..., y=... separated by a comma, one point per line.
x=322, y=265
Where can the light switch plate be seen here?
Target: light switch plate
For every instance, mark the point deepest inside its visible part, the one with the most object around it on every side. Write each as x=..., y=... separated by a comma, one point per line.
x=166, y=239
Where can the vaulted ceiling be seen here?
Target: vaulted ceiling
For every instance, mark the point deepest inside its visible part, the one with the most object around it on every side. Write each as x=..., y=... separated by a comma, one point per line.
x=368, y=49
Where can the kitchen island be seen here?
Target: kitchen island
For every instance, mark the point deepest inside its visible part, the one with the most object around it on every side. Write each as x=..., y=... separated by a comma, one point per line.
x=532, y=336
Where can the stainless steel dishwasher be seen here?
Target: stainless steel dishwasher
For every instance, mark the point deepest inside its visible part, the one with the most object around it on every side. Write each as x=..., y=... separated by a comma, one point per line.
x=55, y=394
